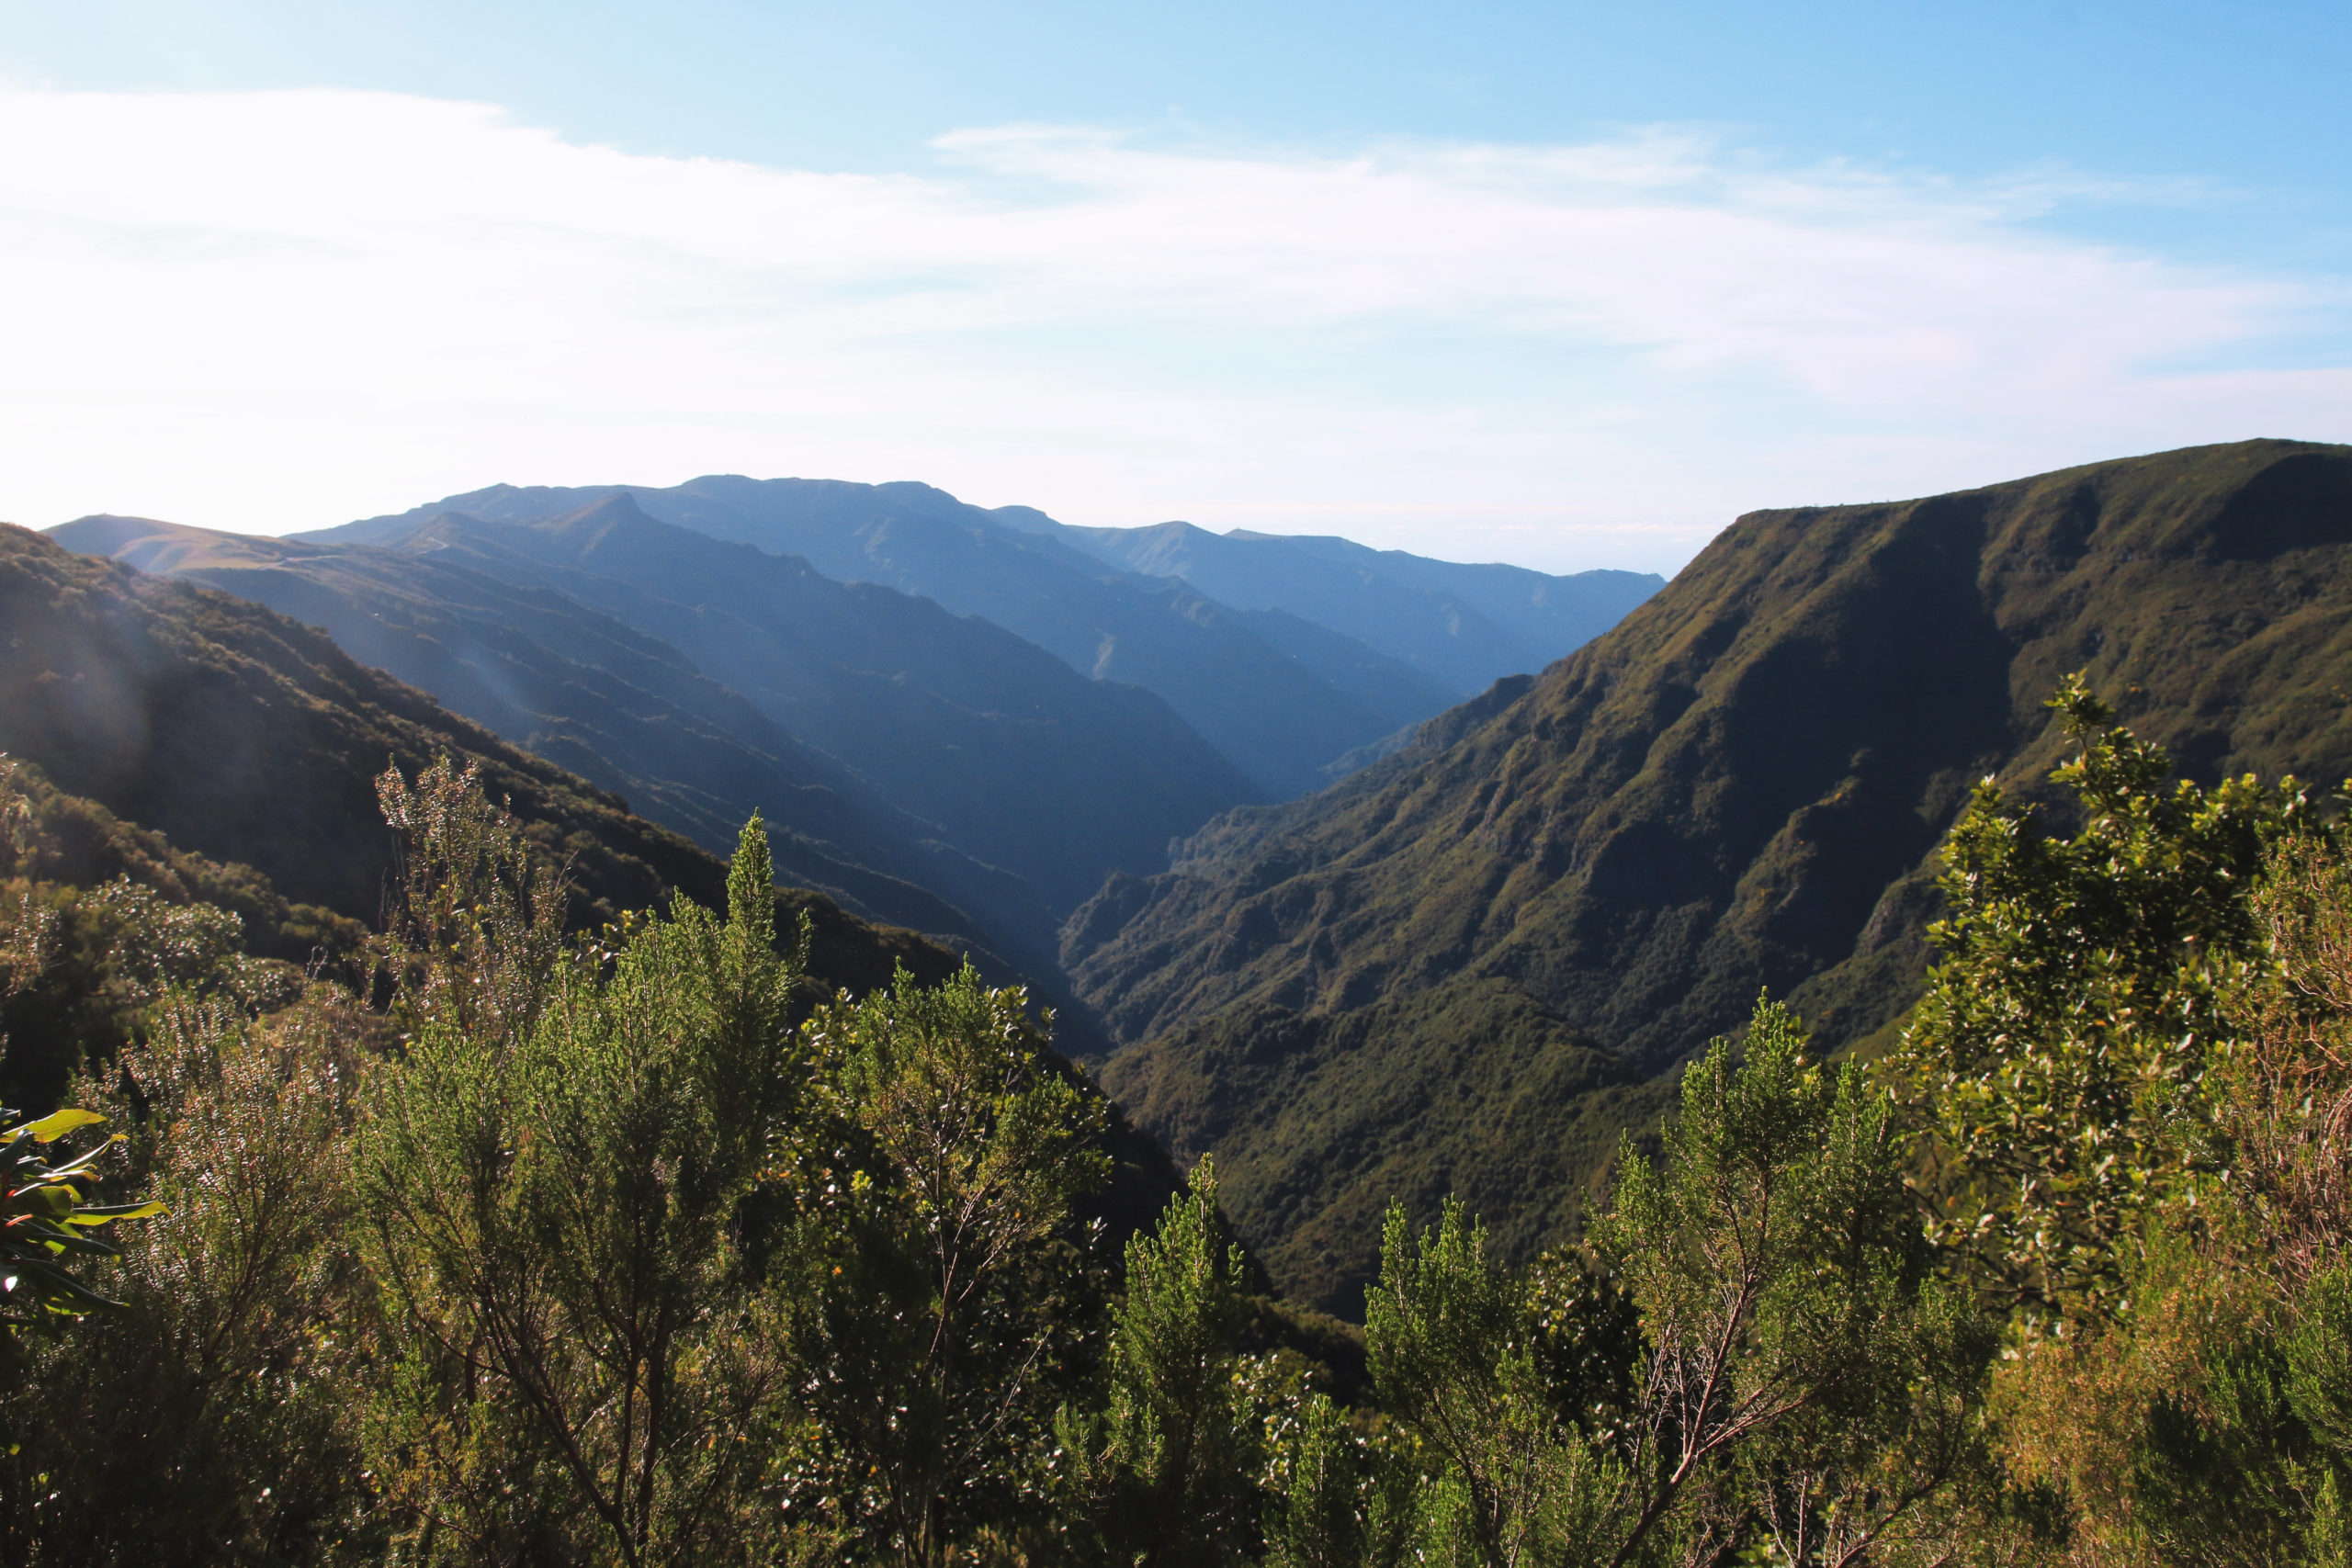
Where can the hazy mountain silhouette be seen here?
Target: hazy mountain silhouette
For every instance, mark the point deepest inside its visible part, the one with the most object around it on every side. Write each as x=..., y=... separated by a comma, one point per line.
x=1465, y=626
x=1277, y=698
x=626, y=710
x=923, y=767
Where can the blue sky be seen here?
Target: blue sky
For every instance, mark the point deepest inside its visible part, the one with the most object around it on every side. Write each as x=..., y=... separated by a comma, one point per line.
x=1568, y=284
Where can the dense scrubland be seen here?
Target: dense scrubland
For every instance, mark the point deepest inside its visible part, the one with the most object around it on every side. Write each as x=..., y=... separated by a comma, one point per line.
x=1776, y=1086
x=511, y=1238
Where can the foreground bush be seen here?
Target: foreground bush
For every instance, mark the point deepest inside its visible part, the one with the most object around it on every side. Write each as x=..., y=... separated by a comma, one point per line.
x=626, y=1247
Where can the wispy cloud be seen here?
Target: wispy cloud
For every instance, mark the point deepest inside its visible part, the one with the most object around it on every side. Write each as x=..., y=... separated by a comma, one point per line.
x=274, y=309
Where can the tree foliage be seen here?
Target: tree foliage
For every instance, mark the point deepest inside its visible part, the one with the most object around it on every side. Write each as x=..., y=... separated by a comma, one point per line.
x=2061, y=1055
x=1161, y=1474
x=623, y=1247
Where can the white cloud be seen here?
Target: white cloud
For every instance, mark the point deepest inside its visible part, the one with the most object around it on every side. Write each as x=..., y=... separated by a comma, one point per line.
x=274, y=311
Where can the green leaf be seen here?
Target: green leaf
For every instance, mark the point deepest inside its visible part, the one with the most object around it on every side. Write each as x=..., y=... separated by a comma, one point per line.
x=59, y=1123
x=51, y=1203
x=100, y=1213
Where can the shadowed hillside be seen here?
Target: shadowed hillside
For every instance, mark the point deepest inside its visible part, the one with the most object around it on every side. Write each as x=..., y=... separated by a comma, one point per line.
x=1740, y=787
x=1280, y=714
x=624, y=710
x=243, y=736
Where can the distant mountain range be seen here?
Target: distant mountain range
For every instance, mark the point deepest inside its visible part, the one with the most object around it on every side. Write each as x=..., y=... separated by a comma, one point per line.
x=1464, y=627
x=1467, y=966
x=626, y=711
x=210, y=748
x=1283, y=684
x=920, y=758
x=922, y=767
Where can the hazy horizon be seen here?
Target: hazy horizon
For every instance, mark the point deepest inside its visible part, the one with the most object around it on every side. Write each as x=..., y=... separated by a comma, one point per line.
x=1561, y=289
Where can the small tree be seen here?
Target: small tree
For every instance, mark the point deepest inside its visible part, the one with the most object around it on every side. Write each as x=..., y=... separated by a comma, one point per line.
x=2195, y=1409
x=550, y=1184
x=1803, y=1388
x=1451, y=1342
x=925, y=1290
x=1163, y=1475
x=2060, y=1057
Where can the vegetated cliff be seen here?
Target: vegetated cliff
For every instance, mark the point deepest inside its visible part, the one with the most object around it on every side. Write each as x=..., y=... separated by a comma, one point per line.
x=1456, y=969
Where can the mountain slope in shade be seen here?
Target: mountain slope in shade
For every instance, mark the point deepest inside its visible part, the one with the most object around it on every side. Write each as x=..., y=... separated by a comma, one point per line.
x=1741, y=785
x=626, y=710
x=1462, y=624
x=208, y=746
x=1022, y=763
x=1278, y=718
x=245, y=737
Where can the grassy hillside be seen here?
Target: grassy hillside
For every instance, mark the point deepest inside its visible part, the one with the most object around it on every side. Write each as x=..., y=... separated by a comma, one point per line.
x=1740, y=787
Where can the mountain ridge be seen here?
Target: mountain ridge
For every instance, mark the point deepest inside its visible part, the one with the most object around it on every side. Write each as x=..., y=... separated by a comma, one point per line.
x=1279, y=684
x=1274, y=718
x=1462, y=624
x=1740, y=785
x=624, y=710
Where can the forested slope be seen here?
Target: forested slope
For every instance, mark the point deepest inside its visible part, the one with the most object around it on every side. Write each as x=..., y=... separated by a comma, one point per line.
x=1418, y=981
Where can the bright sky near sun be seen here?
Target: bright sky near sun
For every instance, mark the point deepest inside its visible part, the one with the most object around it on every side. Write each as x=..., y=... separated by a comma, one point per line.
x=1565, y=285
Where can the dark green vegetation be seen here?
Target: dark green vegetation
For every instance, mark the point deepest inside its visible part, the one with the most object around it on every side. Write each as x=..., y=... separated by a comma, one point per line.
x=1470, y=958
x=627, y=1245
x=1282, y=695
x=2129, y=1081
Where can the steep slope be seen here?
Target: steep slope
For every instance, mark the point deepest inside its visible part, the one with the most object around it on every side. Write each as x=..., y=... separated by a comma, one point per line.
x=1464, y=625
x=626, y=710
x=1277, y=719
x=210, y=749
x=1399, y=694
x=1740, y=785
x=242, y=737
x=1022, y=762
